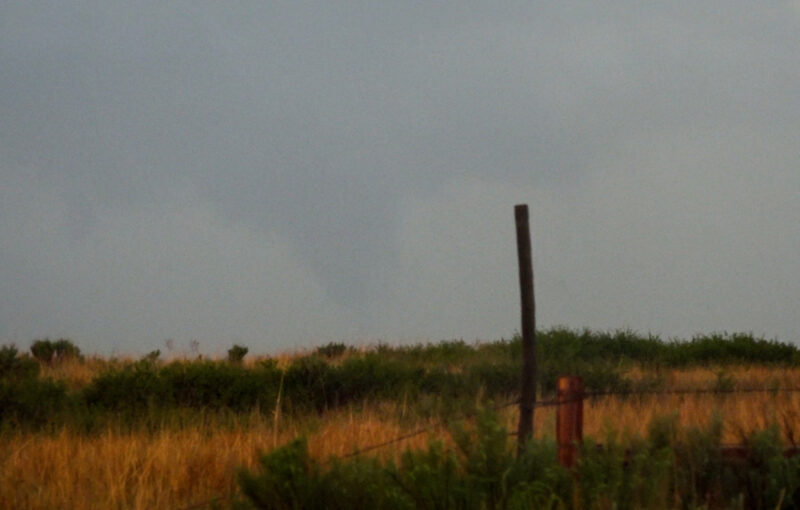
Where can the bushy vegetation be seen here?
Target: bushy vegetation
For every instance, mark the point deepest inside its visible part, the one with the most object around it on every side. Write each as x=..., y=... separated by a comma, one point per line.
x=449, y=373
x=425, y=383
x=481, y=473
x=24, y=398
x=48, y=351
x=237, y=353
x=669, y=468
x=332, y=349
x=14, y=368
x=626, y=346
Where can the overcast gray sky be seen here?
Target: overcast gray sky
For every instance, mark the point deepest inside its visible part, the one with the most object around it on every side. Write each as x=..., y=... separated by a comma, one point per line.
x=285, y=174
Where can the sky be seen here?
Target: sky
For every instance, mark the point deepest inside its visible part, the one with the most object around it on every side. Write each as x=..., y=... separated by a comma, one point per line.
x=287, y=174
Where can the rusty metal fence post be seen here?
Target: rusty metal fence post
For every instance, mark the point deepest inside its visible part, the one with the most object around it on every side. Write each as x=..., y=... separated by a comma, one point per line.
x=569, y=419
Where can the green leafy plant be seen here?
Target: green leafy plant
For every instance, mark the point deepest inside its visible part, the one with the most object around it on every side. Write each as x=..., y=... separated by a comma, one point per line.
x=332, y=349
x=31, y=401
x=236, y=354
x=48, y=351
x=14, y=367
x=288, y=479
x=43, y=350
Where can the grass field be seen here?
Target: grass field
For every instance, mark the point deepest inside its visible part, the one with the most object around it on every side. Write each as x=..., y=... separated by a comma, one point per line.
x=188, y=455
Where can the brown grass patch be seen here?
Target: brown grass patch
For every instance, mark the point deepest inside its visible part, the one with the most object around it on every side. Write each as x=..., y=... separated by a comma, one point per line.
x=182, y=465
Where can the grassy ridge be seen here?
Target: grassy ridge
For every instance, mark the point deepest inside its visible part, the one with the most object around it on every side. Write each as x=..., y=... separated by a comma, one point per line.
x=114, y=433
x=449, y=373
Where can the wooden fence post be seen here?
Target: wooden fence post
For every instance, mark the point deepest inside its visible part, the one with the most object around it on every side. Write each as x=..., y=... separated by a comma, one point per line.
x=527, y=401
x=569, y=419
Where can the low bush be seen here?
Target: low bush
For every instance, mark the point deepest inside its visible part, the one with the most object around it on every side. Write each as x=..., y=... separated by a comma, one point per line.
x=47, y=351
x=193, y=384
x=206, y=384
x=236, y=354
x=24, y=398
x=481, y=474
x=289, y=479
x=627, y=346
x=444, y=378
x=332, y=350
x=130, y=389
x=14, y=367
x=31, y=401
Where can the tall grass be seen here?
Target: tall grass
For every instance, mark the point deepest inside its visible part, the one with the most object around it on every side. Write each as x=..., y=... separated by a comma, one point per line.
x=669, y=467
x=93, y=432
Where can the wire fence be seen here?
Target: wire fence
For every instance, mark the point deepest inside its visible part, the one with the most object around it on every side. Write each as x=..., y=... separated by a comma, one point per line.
x=551, y=402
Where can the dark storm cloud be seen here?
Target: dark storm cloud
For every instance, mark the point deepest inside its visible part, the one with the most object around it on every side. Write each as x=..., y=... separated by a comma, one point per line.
x=199, y=153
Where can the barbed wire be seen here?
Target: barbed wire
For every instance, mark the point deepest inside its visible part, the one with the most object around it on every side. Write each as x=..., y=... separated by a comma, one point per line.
x=552, y=402
x=433, y=426
x=689, y=391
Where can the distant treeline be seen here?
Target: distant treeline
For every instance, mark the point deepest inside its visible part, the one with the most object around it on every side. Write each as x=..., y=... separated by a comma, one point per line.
x=438, y=377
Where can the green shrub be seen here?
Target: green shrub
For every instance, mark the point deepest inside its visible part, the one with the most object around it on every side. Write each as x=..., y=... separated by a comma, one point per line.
x=482, y=474
x=722, y=348
x=626, y=346
x=699, y=467
x=206, y=384
x=765, y=478
x=497, y=379
x=31, y=401
x=47, y=351
x=14, y=367
x=43, y=350
x=332, y=350
x=152, y=356
x=631, y=475
x=370, y=376
x=289, y=479
x=198, y=384
x=237, y=353
x=487, y=460
x=129, y=390
x=432, y=479
x=65, y=349
x=24, y=398
x=537, y=480
x=307, y=383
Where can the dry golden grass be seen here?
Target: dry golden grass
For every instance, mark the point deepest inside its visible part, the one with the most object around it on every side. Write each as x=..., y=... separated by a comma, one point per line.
x=178, y=466
x=171, y=468
x=742, y=413
x=79, y=372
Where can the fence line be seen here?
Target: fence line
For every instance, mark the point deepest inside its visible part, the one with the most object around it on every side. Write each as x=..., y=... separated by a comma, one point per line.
x=689, y=391
x=434, y=426
x=570, y=436
x=571, y=398
x=729, y=450
x=398, y=439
